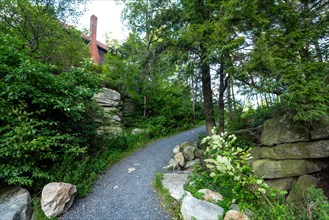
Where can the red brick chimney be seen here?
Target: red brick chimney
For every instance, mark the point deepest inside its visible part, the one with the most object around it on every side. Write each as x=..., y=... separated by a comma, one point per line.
x=93, y=42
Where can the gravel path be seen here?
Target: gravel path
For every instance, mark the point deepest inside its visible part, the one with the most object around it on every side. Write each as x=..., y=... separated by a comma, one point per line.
x=121, y=195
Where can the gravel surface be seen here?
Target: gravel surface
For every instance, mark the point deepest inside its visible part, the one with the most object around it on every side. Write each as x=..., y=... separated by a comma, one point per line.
x=125, y=190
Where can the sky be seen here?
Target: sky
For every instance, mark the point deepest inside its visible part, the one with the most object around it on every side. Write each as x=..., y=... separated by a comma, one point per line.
x=108, y=22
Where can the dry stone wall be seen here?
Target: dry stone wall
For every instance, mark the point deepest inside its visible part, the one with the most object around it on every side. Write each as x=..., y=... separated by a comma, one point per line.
x=288, y=151
x=110, y=101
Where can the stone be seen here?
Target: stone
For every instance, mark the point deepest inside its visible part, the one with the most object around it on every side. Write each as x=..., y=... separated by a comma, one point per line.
x=199, y=153
x=188, y=152
x=110, y=110
x=174, y=182
x=301, y=150
x=280, y=184
x=172, y=165
x=191, y=163
x=176, y=149
x=137, y=131
x=246, y=211
x=320, y=131
x=180, y=158
x=115, y=118
x=193, y=208
x=235, y=215
x=15, y=203
x=282, y=130
x=246, y=135
x=303, y=183
x=273, y=169
x=57, y=198
x=131, y=169
x=107, y=97
x=211, y=196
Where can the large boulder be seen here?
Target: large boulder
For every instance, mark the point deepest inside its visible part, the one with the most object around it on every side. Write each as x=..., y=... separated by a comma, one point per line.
x=138, y=131
x=108, y=97
x=320, y=131
x=303, y=183
x=301, y=150
x=280, y=184
x=57, y=198
x=282, y=130
x=174, y=182
x=15, y=203
x=272, y=169
x=188, y=152
x=193, y=208
x=180, y=158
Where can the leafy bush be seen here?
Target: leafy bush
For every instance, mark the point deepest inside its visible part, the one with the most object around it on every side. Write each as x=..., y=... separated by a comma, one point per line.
x=315, y=206
x=227, y=172
x=44, y=117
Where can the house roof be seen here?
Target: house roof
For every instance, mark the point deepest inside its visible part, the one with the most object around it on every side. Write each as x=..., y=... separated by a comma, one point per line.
x=100, y=45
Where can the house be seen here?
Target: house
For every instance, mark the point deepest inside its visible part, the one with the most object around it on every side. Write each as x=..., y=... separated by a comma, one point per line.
x=97, y=49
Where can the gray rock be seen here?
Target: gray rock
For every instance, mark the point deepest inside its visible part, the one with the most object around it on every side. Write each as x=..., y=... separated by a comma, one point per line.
x=172, y=165
x=280, y=184
x=108, y=97
x=57, y=198
x=273, y=169
x=176, y=149
x=15, y=203
x=115, y=118
x=235, y=215
x=188, y=152
x=180, y=158
x=282, y=130
x=246, y=135
x=211, y=196
x=174, y=182
x=303, y=183
x=137, y=131
x=193, y=208
x=191, y=163
x=302, y=150
x=199, y=153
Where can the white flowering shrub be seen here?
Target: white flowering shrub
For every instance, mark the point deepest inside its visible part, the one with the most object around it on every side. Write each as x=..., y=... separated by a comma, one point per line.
x=226, y=166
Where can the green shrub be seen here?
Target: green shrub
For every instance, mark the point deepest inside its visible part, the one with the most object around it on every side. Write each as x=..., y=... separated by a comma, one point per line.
x=44, y=117
x=226, y=171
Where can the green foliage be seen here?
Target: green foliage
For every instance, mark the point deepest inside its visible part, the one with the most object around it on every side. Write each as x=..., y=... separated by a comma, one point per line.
x=172, y=205
x=250, y=116
x=44, y=117
x=315, y=206
x=226, y=170
x=45, y=37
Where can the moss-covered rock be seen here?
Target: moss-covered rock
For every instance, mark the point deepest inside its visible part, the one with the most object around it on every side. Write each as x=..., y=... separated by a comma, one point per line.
x=280, y=184
x=273, y=169
x=303, y=183
x=301, y=150
x=282, y=130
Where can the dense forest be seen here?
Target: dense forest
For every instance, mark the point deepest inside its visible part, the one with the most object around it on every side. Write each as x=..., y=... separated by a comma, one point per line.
x=232, y=63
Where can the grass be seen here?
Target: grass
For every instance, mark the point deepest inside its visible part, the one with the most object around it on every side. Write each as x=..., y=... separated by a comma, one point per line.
x=169, y=203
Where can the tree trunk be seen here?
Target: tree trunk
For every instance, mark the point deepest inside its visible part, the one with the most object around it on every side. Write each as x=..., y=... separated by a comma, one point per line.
x=222, y=87
x=207, y=96
x=145, y=111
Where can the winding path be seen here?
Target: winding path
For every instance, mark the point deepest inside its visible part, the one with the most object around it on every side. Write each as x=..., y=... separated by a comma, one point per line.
x=121, y=195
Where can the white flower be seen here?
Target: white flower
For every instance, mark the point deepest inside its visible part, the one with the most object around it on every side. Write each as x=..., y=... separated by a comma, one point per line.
x=262, y=190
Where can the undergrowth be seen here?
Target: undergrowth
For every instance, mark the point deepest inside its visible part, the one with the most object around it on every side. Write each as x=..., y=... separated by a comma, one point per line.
x=168, y=202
